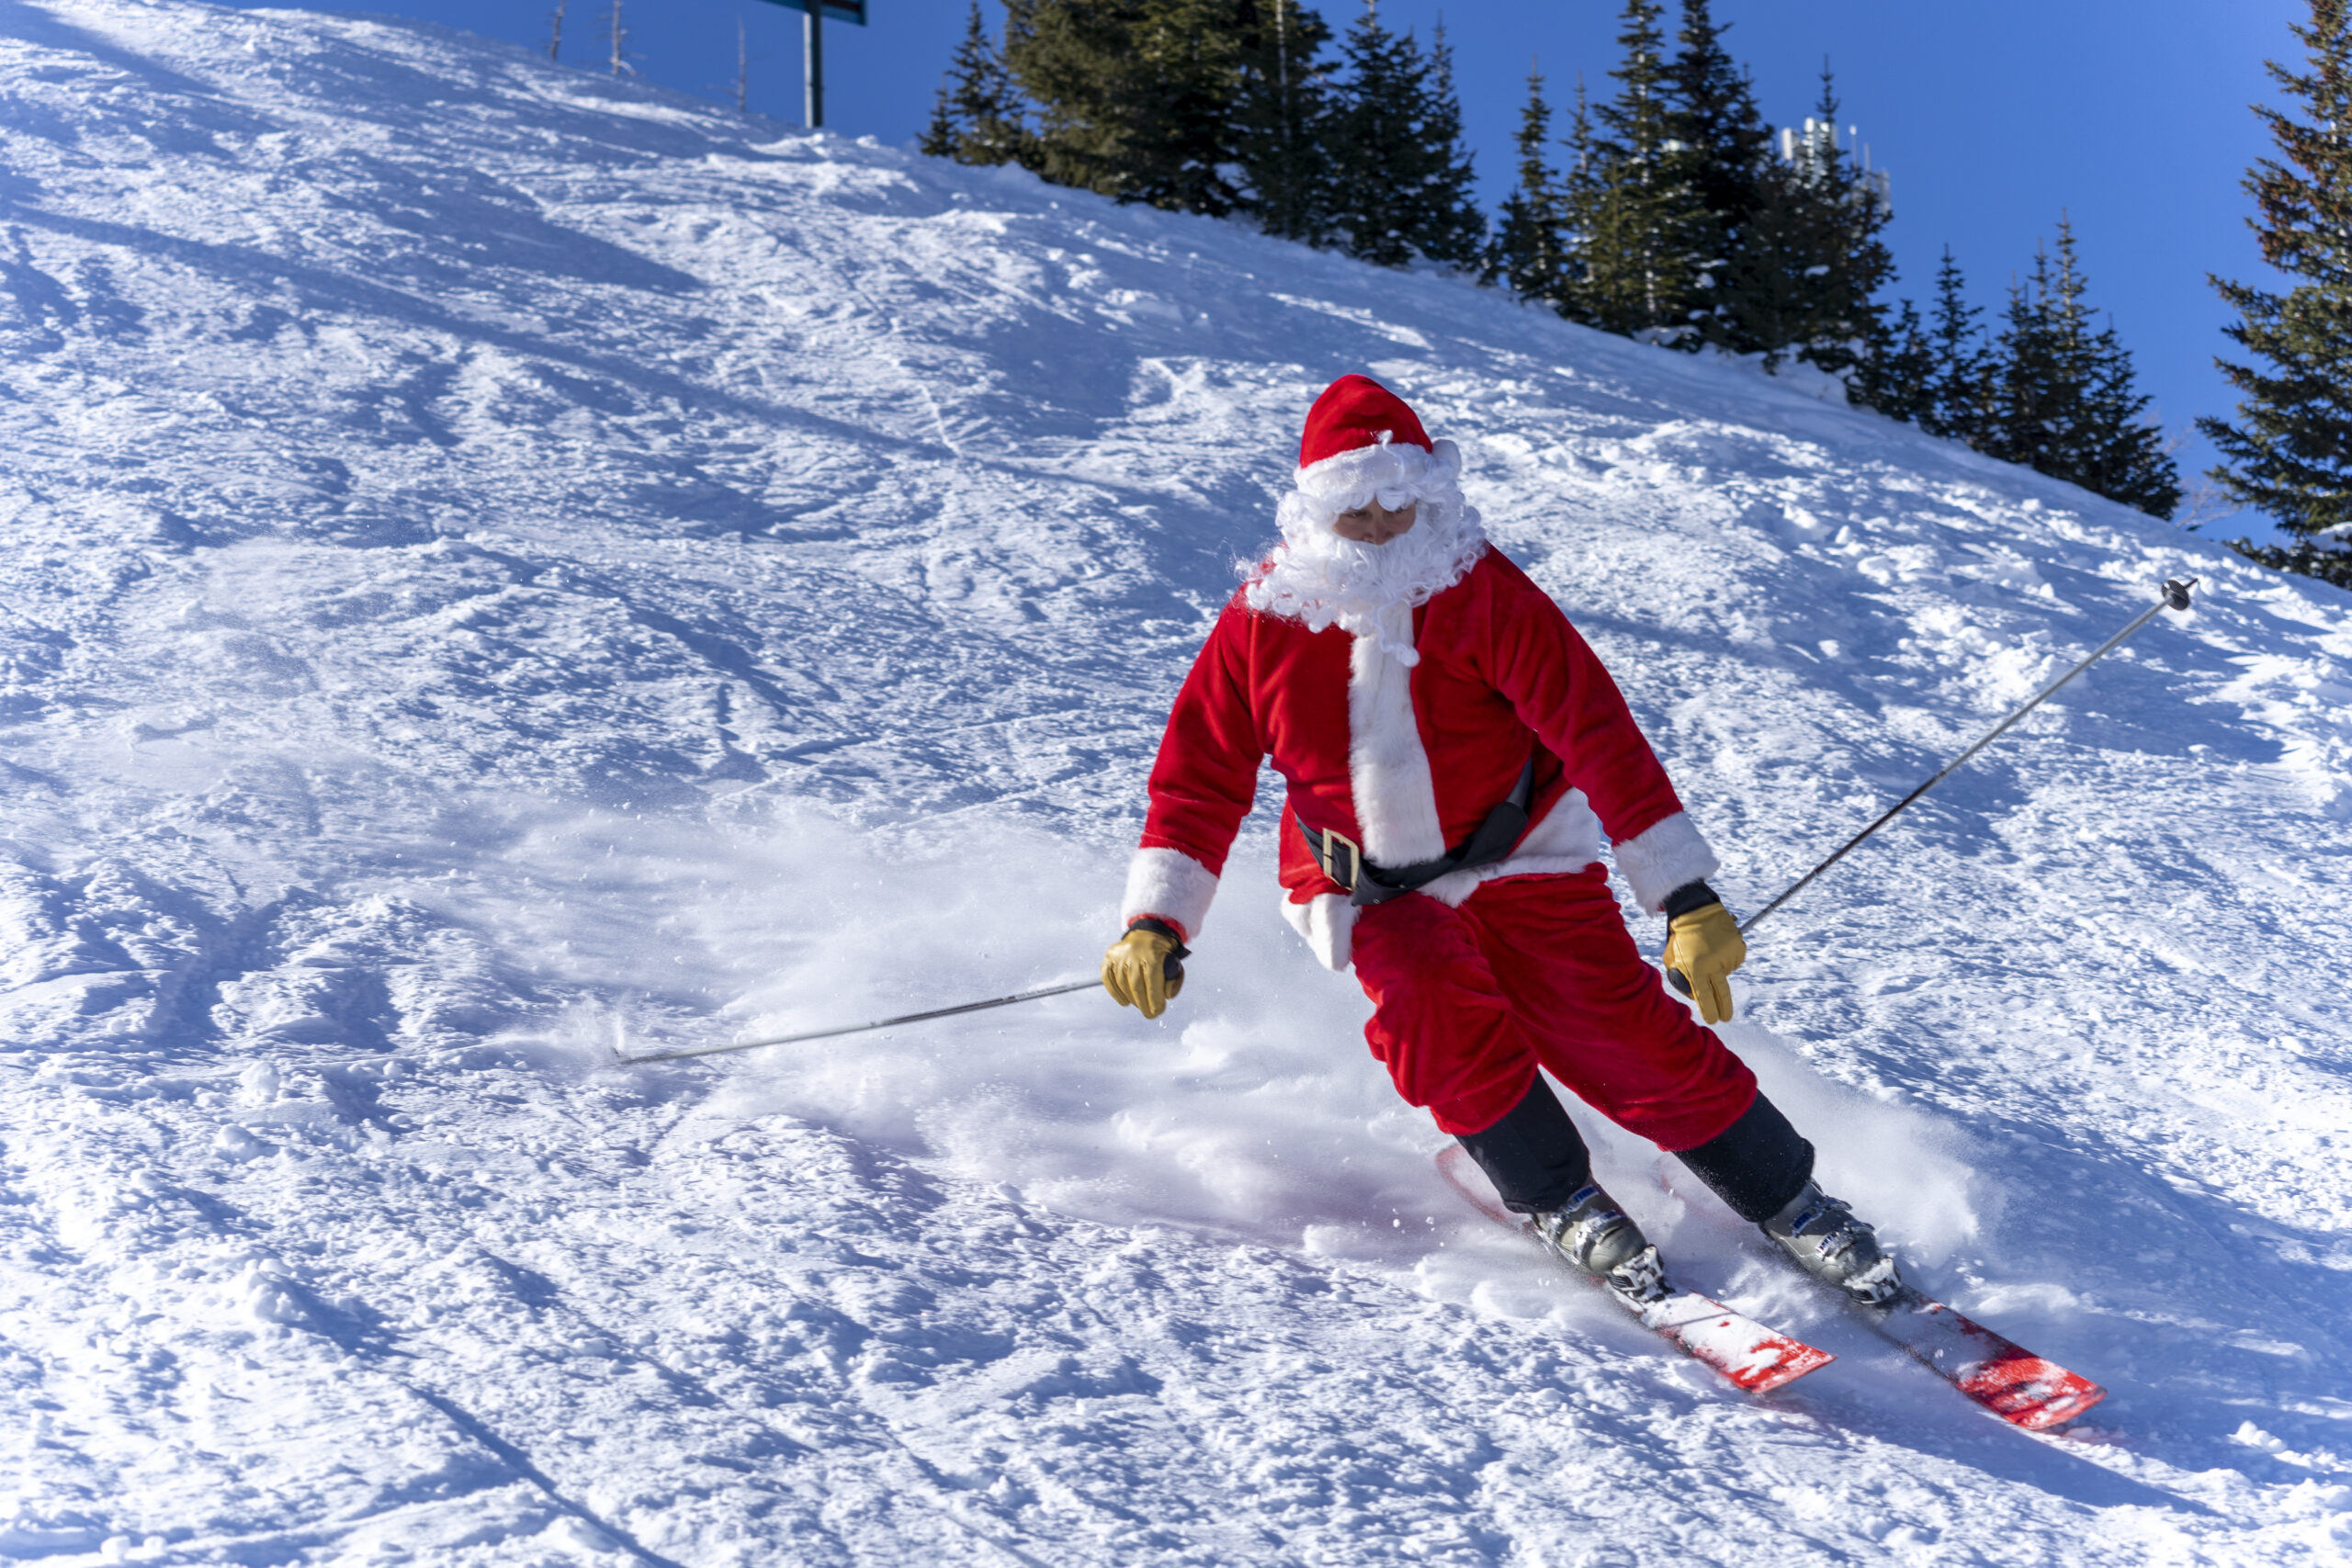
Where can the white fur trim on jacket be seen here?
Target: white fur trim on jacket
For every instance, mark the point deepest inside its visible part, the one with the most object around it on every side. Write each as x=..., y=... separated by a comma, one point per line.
x=1388, y=772
x=1664, y=857
x=1171, y=885
x=1328, y=923
x=1568, y=840
x=1396, y=800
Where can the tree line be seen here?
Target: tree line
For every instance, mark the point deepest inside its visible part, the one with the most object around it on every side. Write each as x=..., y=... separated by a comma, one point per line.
x=1226, y=108
x=1667, y=211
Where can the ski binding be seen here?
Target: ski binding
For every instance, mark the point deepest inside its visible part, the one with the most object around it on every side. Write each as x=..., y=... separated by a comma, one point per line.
x=1747, y=1353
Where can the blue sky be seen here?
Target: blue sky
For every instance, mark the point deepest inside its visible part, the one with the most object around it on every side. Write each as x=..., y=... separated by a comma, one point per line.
x=1993, y=116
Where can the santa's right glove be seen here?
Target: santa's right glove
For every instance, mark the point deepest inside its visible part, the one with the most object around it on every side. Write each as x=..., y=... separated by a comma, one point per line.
x=1703, y=947
x=1144, y=968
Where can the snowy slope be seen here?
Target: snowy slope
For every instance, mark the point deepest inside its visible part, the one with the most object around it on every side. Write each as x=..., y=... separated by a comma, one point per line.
x=499, y=558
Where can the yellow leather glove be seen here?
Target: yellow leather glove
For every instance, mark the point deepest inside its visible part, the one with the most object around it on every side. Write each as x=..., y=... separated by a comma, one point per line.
x=1135, y=970
x=1703, y=947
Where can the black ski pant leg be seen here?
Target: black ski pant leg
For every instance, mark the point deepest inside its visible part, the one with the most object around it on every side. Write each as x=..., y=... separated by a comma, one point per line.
x=1757, y=1164
x=1534, y=1156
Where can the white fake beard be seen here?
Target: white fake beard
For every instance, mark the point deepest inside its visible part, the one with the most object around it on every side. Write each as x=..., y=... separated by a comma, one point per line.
x=1317, y=578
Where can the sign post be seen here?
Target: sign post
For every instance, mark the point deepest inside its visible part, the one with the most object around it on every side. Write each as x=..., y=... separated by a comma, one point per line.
x=812, y=48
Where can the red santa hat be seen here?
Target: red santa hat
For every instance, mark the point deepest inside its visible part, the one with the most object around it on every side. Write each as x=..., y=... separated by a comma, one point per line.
x=1356, y=412
x=1361, y=440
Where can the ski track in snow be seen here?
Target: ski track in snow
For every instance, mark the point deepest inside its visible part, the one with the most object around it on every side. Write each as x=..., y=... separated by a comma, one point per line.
x=500, y=559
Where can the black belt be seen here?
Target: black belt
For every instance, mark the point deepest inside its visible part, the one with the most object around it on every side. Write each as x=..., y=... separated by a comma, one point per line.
x=1342, y=860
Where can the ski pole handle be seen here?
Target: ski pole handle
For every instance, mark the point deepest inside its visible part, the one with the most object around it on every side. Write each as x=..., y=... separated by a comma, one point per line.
x=1171, y=968
x=1674, y=977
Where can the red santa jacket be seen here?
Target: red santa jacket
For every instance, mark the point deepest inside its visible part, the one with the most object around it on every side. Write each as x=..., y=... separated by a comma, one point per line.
x=1406, y=760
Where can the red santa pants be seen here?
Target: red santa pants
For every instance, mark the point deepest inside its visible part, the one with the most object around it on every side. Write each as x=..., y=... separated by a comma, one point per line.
x=1538, y=971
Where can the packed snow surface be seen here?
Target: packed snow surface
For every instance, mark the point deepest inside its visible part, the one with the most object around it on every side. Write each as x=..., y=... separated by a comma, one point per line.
x=502, y=562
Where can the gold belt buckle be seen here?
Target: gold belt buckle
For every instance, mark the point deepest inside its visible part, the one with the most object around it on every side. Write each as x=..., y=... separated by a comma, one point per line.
x=1326, y=853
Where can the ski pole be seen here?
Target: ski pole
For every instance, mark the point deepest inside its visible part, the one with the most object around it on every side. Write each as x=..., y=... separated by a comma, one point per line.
x=2176, y=598
x=855, y=1028
x=1172, y=968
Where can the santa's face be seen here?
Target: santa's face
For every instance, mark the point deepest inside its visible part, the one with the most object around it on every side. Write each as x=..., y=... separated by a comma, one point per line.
x=1366, y=535
x=1373, y=523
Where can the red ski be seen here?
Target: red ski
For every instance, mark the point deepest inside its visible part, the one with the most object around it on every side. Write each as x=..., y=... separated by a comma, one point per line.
x=2006, y=1379
x=1753, y=1356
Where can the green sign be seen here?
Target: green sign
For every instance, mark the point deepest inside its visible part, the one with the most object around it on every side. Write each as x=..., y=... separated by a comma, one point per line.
x=835, y=10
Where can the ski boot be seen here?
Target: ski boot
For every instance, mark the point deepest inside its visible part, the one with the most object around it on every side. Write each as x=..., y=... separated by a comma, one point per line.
x=1592, y=1233
x=1822, y=1234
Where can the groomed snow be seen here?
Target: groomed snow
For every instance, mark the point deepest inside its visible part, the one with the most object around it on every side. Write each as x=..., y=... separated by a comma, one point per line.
x=499, y=562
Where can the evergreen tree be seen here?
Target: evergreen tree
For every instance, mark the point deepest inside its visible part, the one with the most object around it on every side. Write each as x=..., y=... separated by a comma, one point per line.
x=1579, y=205
x=1451, y=228
x=2024, y=416
x=2289, y=453
x=1375, y=135
x=1530, y=254
x=1938, y=374
x=1400, y=175
x=1070, y=58
x=1714, y=115
x=1846, y=315
x=1278, y=114
x=1726, y=148
x=940, y=133
x=1181, y=154
x=1133, y=96
x=2064, y=399
x=1897, y=377
x=1961, y=391
x=1763, y=297
x=1806, y=273
x=1646, y=239
x=978, y=118
x=2056, y=391
x=2122, y=453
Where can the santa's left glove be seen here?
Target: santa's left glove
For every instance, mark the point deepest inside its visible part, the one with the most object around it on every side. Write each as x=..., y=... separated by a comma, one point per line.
x=1145, y=968
x=1703, y=947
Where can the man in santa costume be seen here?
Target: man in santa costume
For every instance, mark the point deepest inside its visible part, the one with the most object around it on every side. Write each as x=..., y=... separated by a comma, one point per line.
x=1455, y=758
